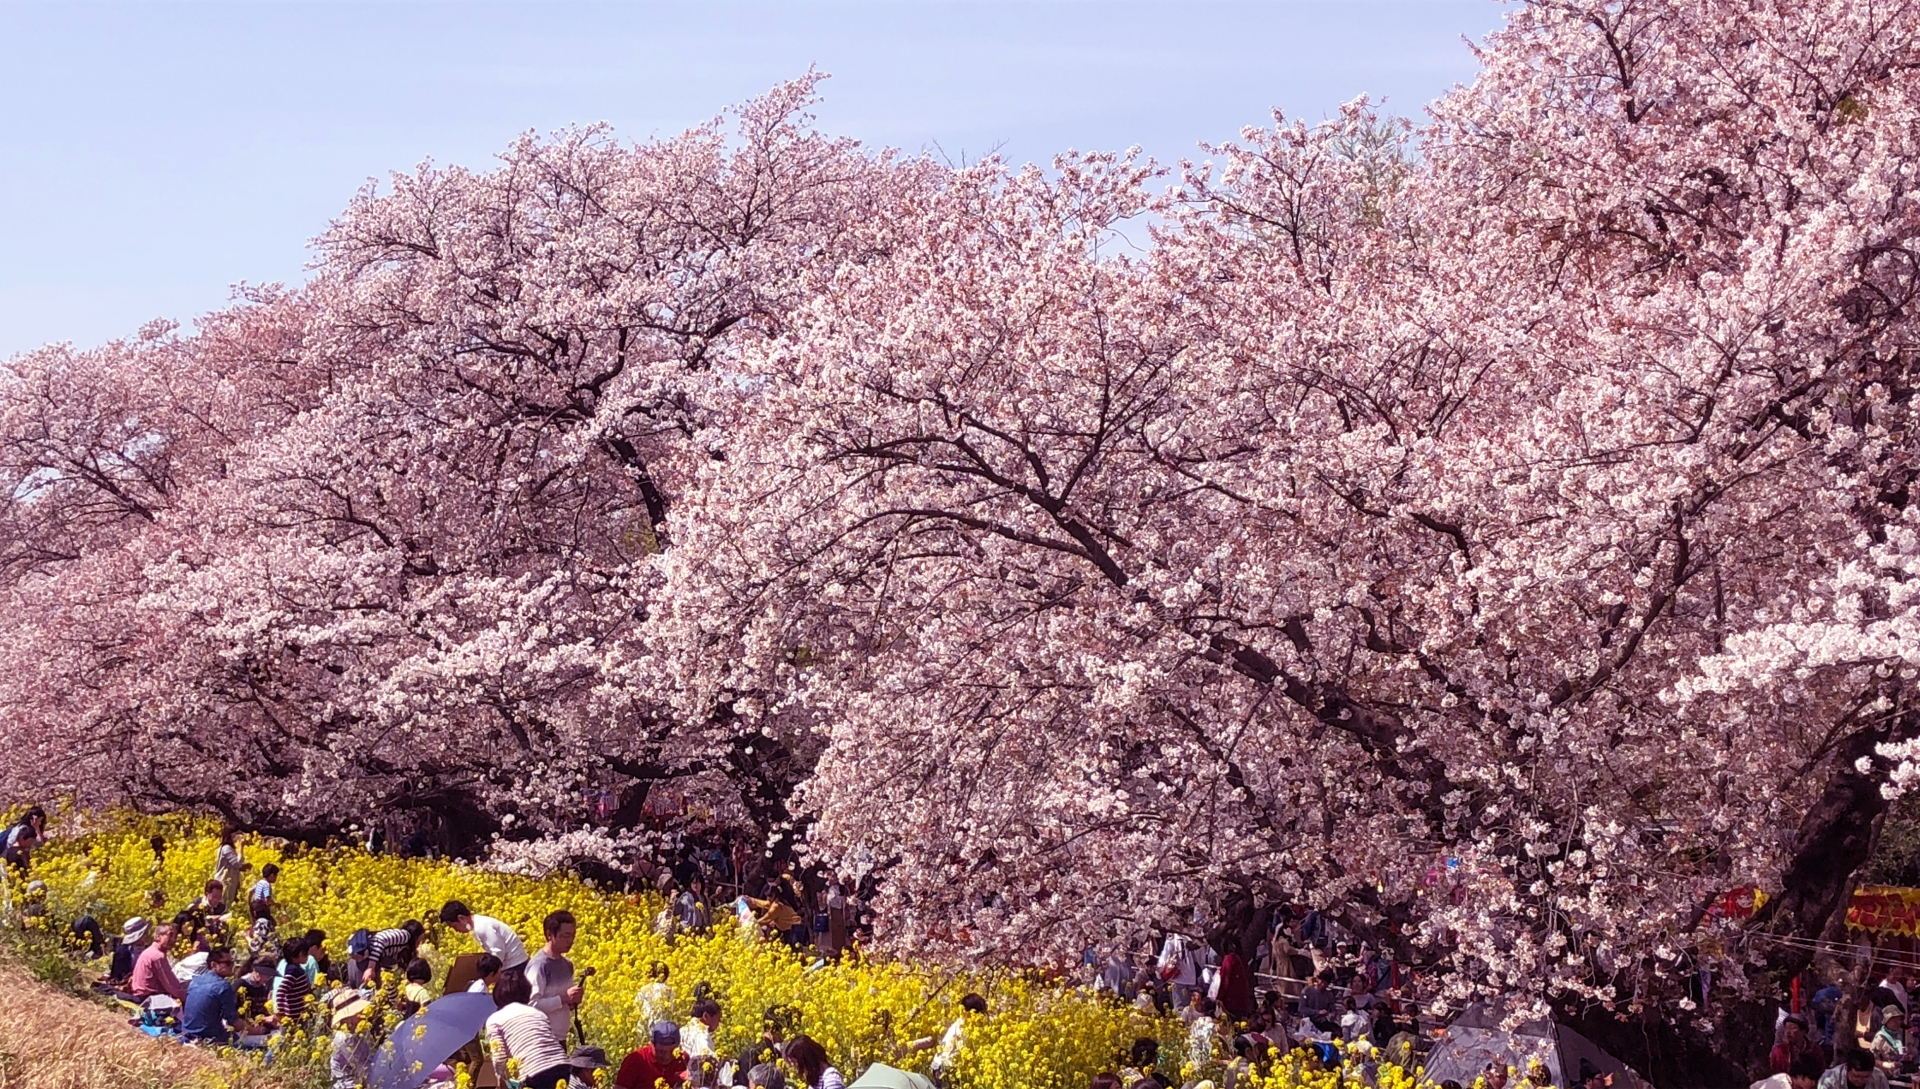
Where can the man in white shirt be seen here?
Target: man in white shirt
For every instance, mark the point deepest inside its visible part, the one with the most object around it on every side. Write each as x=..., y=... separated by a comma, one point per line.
x=493, y=935
x=1896, y=982
x=696, y=1036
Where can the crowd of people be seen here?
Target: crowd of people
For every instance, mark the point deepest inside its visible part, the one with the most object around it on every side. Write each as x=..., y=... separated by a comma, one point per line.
x=1811, y=1048
x=226, y=970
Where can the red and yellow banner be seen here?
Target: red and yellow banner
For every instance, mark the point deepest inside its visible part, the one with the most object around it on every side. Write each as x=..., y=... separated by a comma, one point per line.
x=1885, y=909
x=1876, y=909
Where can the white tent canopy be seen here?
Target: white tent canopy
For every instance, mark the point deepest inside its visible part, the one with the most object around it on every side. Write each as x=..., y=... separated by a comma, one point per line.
x=1476, y=1039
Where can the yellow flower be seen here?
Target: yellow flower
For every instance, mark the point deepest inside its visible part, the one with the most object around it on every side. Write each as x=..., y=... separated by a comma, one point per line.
x=862, y=1009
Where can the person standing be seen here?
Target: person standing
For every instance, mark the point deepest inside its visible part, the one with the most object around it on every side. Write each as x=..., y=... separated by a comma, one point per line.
x=550, y=973
x=493, y=935
x=1179, y=965
x=1236, y=984
x=1791, y=1041
x=655, y=997
x=1896, y=984
x=393, y=948
x=260, y=900
x=839, y=918
x=1202, y=1033
x=691, y=907
x=696, y=1036
x=1890, y=1043
x=229, y=865
x=21, y=837
x=358, y=970
x=954, y=1043
x=773, y=1034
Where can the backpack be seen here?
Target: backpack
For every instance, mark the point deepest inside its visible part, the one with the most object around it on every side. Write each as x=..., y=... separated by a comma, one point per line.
x=360, y=942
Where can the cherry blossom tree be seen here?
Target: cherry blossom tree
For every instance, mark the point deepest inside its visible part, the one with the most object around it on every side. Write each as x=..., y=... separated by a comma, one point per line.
x=415, y=570
x=1424, y=525
x=1495, y=531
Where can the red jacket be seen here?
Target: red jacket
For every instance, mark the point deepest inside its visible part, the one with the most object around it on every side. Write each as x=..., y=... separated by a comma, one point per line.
x=1236, y=986
x=645, y=1070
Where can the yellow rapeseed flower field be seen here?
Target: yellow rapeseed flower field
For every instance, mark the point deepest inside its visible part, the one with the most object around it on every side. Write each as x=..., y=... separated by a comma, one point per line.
x=1038, y=1034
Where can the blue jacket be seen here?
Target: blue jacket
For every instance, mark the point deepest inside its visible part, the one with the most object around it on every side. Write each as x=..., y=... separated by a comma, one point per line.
x=211, y=1010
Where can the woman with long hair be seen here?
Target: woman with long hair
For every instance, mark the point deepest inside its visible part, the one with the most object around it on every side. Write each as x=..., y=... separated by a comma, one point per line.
x=809, y=1061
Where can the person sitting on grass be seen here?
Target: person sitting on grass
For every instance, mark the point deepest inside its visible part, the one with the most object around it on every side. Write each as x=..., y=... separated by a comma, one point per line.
x=352, y=1059
x=135, y=933
x=255, y=987
x=319, y=965
x=153, y=972
x=293, y=988
x=212, y=1012
x=659, y=1062
x=414, y=994
x=212, y=902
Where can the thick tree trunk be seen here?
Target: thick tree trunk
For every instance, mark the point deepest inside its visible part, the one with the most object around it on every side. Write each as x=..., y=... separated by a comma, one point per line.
x=1835, y=838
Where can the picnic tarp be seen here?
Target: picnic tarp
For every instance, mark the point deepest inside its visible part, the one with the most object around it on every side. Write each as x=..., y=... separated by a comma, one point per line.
x=1476, y=1038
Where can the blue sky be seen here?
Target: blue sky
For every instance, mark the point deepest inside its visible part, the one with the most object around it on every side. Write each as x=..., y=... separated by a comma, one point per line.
x=152, y=155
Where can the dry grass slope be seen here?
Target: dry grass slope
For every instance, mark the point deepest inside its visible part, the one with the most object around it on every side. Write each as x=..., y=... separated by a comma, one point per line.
x=52, y=1040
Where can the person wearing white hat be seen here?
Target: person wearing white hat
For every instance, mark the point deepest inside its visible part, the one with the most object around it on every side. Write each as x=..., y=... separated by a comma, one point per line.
x=134, y=934
x=352, y=1058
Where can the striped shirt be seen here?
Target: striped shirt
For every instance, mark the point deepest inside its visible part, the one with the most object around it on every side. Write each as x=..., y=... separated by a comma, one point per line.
x=518, y=1031
x=391, y=948
x=292, y=993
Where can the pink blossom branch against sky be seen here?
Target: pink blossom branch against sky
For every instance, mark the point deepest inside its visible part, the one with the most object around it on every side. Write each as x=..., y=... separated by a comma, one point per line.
x=157, y=154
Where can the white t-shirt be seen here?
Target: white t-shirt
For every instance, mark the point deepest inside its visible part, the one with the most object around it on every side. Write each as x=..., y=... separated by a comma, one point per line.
x=695, y=1039
x=499, y=939
x=950, y=1045
x=656, y=1004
